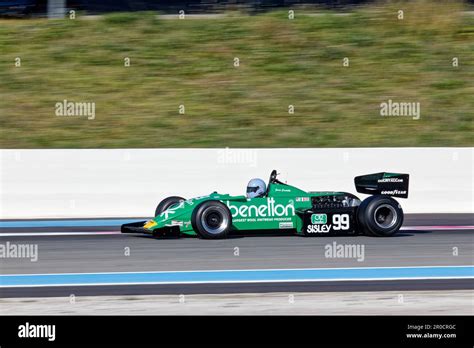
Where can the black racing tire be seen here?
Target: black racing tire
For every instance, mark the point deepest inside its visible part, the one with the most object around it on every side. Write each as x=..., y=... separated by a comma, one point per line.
x=211, y=220
x=380, y=216
x=166, y=203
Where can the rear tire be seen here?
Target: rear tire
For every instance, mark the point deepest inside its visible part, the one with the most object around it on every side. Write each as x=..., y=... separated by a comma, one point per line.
x=166, y=203
x=380, y=216
x=211, y=220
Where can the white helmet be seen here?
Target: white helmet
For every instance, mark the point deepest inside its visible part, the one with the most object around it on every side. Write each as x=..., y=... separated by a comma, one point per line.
x=256, y=188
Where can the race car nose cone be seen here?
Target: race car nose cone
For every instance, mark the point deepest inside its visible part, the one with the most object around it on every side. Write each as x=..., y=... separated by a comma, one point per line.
x=150, y=224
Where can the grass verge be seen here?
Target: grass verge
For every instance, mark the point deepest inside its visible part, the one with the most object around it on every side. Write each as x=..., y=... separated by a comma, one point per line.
x=283, y=62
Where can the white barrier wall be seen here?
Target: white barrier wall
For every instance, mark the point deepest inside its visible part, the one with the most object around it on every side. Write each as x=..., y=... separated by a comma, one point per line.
x=130, y=182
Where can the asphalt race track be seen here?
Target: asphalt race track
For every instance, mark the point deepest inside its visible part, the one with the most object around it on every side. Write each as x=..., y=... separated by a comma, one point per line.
x=415, y=259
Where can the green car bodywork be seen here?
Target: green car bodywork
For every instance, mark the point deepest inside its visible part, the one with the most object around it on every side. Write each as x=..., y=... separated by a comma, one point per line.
x=281, y=208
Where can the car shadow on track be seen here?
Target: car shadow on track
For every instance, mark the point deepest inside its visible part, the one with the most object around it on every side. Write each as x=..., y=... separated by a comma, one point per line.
x=411, y=233
x=405, y=233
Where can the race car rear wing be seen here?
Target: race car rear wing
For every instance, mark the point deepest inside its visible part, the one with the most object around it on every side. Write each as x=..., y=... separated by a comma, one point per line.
x=390, y=184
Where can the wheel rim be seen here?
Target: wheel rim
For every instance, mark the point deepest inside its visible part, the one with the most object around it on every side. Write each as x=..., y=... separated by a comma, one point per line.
x=214, y=220
x=385, y=216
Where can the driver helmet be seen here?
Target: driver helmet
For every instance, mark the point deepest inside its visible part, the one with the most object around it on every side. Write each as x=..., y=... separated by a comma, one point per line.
x=256, y=188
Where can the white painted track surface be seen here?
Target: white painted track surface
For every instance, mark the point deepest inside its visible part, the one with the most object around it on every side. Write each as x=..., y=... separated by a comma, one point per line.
x=130, y=182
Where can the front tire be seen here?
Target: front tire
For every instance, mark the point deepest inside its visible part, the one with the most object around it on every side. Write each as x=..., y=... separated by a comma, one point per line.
x=380, y=216
x=166, y=203
x=211, y=220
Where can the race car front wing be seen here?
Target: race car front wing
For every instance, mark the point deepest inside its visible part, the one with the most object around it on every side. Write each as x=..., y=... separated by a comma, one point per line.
x=138, y=227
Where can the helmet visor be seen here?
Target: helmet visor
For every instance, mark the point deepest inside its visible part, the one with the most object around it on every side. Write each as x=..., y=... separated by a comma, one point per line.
x=252, y=189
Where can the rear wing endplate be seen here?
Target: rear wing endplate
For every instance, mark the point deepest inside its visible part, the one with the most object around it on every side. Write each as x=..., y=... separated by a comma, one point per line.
x=390, y=184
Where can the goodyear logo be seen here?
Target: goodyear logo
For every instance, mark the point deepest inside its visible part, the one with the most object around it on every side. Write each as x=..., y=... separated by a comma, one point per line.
x=319, y=219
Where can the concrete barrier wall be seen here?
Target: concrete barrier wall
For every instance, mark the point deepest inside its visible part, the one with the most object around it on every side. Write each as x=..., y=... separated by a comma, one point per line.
x=131, y=182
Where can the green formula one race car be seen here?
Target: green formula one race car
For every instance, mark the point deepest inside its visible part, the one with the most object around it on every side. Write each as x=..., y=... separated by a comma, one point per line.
x=282, y=208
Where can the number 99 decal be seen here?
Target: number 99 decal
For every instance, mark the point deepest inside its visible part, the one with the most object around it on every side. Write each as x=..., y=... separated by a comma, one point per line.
x=340, y=222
